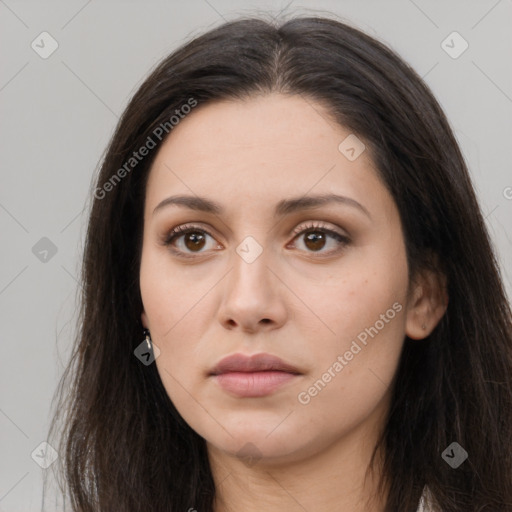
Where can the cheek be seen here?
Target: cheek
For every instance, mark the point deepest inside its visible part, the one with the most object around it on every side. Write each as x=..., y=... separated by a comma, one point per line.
x=174, y=309
x=363, y=307
x=172, y=295
x=352, y=375
x=341, y=303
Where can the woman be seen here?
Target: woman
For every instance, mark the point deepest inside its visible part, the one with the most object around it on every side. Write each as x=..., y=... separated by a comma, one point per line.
x=289, y=295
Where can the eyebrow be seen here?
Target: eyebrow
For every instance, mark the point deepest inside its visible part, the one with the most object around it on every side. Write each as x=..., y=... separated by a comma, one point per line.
x=283, y=207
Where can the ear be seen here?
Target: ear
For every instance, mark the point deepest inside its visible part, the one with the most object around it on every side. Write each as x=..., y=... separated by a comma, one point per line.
x=427, y=303
x=144, y=320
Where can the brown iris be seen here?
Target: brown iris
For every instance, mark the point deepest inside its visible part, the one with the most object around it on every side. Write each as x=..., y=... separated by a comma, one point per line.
x=194, y=240
x=315, y=240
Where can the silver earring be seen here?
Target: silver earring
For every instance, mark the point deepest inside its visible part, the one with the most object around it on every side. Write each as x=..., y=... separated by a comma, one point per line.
x=424, y=327
x=148, y=338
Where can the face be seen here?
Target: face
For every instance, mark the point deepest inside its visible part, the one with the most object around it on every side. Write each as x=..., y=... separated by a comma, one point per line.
x=321, y=286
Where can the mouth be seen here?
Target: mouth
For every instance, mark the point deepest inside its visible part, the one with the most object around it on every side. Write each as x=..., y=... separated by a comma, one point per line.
x=253, y=376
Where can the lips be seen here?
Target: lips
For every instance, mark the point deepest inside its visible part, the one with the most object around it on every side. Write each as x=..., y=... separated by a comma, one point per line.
x=254, y=376
x=254, y=363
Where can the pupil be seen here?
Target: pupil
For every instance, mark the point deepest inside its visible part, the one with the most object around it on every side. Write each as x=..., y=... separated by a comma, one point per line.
x=317, y=239
x=194, y=241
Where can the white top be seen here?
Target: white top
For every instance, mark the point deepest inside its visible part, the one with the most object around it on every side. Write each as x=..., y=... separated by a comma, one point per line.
x=425, y=501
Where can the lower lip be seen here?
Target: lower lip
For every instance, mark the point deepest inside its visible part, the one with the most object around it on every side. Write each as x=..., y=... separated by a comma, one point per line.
x=253, y=384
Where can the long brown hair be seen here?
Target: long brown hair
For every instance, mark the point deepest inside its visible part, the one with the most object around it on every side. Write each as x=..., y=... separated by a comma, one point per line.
x=125, y=447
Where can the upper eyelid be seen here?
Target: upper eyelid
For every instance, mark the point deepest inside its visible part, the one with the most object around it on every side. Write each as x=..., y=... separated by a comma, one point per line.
x=315, y=224
x=318, y=224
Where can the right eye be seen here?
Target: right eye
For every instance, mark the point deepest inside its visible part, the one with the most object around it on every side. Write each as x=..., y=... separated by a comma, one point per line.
x=187, y=238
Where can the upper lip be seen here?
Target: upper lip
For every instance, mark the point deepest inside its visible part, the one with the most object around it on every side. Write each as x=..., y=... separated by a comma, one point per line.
x=254, y=363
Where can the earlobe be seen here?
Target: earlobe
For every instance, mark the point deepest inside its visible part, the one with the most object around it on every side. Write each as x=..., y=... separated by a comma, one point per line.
x=144, y=320
x=427, y=305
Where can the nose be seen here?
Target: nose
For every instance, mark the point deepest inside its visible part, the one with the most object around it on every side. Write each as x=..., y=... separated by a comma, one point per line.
x=253, y=297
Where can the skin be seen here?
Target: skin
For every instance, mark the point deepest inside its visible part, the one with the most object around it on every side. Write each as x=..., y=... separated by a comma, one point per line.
x=302, y=302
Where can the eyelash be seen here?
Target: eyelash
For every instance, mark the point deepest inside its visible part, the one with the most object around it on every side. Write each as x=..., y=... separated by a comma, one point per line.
x=190, y=228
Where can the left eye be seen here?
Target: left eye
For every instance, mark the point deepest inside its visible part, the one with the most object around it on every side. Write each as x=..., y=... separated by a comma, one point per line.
x=315, y=239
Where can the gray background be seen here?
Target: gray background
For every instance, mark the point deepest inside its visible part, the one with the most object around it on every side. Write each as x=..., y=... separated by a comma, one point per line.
x=58, y=114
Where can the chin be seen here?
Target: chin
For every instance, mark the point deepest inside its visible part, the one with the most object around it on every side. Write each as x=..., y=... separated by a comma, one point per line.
x=256, y=445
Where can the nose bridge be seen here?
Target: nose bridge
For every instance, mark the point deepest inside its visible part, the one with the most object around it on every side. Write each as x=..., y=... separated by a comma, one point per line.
x=251, y=272
x=252, y=294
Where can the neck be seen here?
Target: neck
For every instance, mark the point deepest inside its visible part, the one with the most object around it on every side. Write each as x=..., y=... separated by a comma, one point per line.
x=334, y=479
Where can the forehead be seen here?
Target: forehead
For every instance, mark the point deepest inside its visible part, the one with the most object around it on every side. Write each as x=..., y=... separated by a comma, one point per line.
x=265, y=147
x=274, y=122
